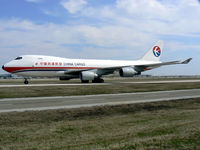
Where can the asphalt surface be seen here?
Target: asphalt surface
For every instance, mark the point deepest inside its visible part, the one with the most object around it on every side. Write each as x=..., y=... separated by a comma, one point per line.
x=107, y=83
x=59, y=102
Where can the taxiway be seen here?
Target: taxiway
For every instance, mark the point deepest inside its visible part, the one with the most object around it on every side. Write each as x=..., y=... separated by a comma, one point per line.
x=59, y=102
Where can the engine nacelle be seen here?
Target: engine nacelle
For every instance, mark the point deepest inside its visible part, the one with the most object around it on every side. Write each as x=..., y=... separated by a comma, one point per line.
x=128, y=72
x=88, y=75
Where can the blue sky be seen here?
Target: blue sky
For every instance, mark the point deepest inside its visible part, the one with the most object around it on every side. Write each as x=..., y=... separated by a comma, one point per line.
x=102, y=29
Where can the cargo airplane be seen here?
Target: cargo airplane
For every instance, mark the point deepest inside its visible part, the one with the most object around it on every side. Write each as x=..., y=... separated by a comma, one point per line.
x=85, y=69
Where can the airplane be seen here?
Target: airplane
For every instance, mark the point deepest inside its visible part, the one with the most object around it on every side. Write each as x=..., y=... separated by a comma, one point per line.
x=85, y=69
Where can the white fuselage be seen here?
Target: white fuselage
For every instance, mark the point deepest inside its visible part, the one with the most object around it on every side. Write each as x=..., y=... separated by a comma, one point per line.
x=49, y=66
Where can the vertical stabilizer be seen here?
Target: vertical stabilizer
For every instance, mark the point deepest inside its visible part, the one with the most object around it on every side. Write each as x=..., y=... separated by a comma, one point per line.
x=155, y=52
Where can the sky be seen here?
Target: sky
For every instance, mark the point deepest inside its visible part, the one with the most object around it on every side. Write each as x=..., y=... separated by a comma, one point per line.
x=102, y=29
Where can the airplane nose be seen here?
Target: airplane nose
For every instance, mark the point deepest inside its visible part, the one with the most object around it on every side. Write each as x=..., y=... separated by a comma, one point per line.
x=3, y=67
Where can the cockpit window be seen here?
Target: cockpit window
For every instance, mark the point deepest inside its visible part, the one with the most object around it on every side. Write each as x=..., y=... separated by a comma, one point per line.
x=18, y=58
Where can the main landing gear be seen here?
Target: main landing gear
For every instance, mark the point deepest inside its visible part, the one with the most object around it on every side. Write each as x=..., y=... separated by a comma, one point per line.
x=26, y=81
x=98, y=80
x=85, y=81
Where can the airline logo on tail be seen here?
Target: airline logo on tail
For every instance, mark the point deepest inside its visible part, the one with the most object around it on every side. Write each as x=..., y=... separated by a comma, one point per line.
x=156, y=51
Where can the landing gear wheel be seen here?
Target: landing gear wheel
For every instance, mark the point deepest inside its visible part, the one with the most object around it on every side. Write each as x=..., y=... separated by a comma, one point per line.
x=85, y=81
x=25, y=81
x=102, y=81
x=98, y=80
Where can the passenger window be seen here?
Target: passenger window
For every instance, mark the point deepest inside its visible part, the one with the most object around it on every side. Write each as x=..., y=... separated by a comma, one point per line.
x=18, y=58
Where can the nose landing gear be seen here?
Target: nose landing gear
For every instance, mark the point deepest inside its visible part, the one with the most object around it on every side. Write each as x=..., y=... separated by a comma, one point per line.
x=26, y=81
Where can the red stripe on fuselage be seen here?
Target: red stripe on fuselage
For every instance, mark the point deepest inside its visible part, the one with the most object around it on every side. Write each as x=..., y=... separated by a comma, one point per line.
x=15, y=69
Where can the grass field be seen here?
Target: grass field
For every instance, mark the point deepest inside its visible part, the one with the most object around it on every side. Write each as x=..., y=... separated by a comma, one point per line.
x=116, y=87
x=152, y=126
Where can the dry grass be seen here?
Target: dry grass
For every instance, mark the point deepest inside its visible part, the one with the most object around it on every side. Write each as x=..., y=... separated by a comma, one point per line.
x=160, y=125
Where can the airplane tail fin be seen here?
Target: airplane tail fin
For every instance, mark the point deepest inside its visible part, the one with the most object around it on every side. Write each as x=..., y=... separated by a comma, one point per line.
x=155, y=52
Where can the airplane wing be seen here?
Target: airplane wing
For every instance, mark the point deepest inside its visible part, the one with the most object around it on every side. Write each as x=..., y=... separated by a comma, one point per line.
x=156, y=65
x=139, y=68
x=144, y=67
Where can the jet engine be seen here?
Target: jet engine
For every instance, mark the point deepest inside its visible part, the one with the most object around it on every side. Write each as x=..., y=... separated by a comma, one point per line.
x=128, y=72
x=88, y=75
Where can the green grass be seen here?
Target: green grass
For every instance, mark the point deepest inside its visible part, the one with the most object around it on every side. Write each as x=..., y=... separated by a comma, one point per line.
x=13, y=92
x=153, y=126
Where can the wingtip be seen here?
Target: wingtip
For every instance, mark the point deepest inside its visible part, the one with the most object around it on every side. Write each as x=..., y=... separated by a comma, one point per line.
x=187, y=61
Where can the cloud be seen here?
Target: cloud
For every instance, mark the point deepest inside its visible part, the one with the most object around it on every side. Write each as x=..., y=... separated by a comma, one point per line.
x=32, y=35
x=153, y=16
x=50, y=13
x=124, y=29
x=74, y=6
x=118, y=25
x=162, y=17
x=143, y=8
